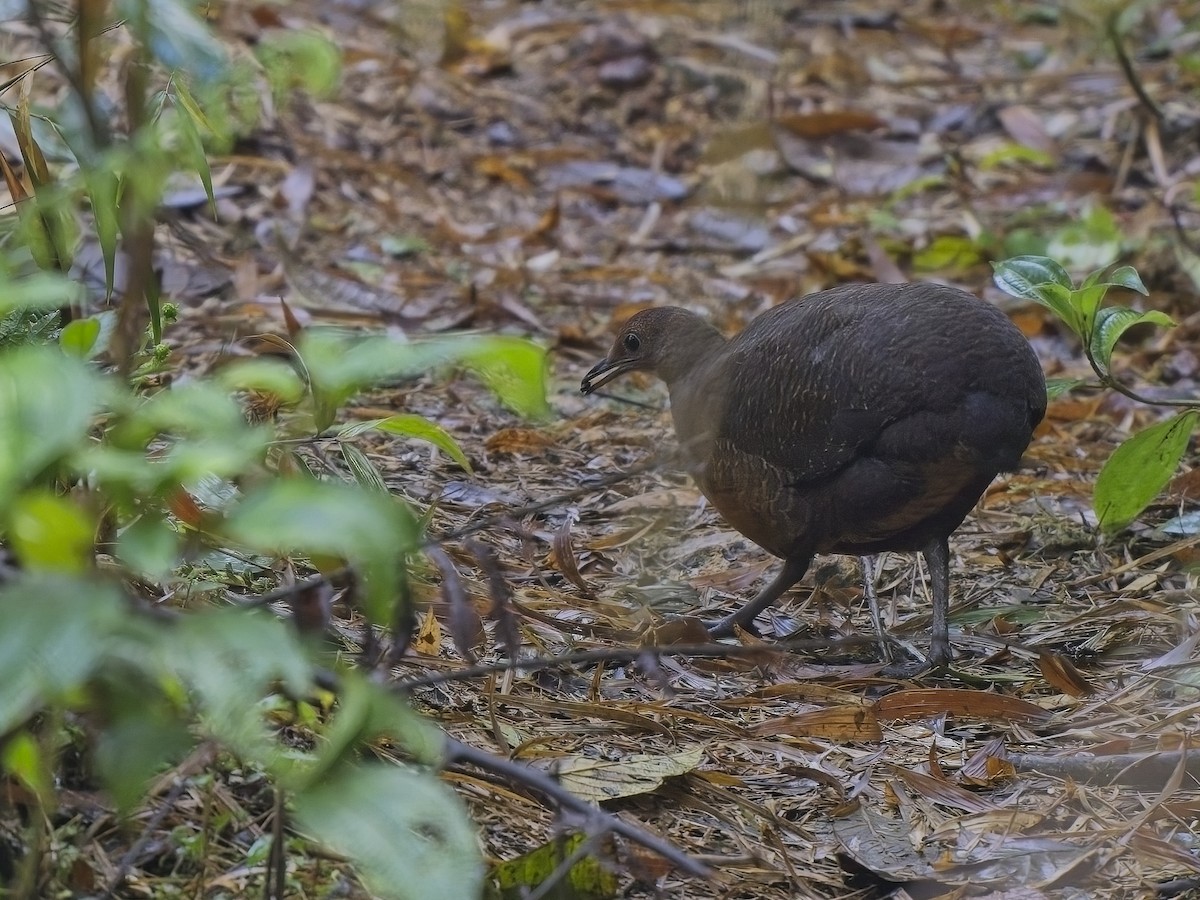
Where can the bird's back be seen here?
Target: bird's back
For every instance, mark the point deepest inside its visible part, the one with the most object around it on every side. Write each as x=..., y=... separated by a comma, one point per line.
x=861, y=418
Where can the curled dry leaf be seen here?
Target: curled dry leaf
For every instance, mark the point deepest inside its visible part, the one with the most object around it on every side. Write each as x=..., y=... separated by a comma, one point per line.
x=1060, y=672
x=562, y=556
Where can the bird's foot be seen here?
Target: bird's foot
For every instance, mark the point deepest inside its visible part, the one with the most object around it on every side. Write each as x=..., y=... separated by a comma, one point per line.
x=937, y=662
x=729, y=626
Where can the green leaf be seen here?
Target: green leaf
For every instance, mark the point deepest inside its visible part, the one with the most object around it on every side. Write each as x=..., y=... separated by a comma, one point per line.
x=1113, y=322
x=142, y=736
x=50, y=533
x=340, y=365
x=1139, y=469
x=103, y=188
x=228, y=660
x=303, y=59
x=192, y=148
x=271, y=376
x=150, y=547
x=947, y=253
x=365, y=713
x=79, y=337
x=42, y=290
x=406, y=830
x=364, y=471
x=1128, y=277
x=412, y=426
x=1042, y=280
x=1056, y=387
x=370, y=531
x=47, y=404
x=1026, y=276
x=23, y=758
x=55, y=631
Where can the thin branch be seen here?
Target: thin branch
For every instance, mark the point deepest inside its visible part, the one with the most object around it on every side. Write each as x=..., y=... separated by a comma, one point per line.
x=596, y=820
x=100, y=135
x=156, y=820
x=712, y=650
x=1128, y=70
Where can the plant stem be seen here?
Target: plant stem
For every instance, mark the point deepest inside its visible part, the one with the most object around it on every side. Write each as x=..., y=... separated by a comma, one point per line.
x=1130, y=73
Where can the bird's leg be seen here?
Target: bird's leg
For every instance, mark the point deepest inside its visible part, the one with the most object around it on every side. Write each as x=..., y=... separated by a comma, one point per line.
x=937, y=556
x=793, y=570
x=868, y=574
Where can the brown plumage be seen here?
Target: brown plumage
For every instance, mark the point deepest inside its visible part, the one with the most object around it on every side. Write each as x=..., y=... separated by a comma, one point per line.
x=857, y=420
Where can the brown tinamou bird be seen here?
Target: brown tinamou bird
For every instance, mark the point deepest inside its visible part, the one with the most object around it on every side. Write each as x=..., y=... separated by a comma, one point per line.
x=865, y=418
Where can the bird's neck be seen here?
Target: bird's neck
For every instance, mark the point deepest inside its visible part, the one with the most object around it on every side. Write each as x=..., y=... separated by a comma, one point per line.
x=694, y=349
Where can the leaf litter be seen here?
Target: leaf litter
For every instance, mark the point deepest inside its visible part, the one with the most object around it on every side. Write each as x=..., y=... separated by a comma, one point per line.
x=542, y=169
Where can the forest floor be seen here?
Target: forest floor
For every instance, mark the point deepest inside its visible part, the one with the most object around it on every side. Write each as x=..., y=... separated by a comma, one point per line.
x=546, y=168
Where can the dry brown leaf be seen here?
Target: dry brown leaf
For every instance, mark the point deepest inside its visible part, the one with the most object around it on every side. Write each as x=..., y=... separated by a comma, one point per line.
x=1062, y=674
x=837, y=723
x=603, y=779
x=927, y=703
x=429, y=636
x=510, y=441
x=823, y=124
x=562, y=557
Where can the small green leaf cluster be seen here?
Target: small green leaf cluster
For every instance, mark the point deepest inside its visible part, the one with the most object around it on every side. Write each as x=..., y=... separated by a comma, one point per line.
x=1141, y=467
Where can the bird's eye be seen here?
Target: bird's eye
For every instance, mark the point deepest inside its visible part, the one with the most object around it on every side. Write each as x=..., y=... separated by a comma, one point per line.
x=632, y=343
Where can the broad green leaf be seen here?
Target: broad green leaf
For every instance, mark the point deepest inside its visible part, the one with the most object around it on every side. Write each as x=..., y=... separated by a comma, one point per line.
x=1056, y=387
x=947, y=253
x=149, y=547
x=412, y=426
x=271, y=376
x=514, y=369
x=79, y=337
x=141, y=736
x=368, y=530
x=47, y=403
x=364, y=471
x=1128, y=277
x=22, y=757
x=228, y=660
x=366, y=712
x=407, y=832
x=1113, y=322
x=50, y=533
x=302, y=59
x=1023, y=276
x=55, y=631
x=1087, y=300
x=339, y=365
x=42, y=290
x=1042, y=280
x=1139, y=469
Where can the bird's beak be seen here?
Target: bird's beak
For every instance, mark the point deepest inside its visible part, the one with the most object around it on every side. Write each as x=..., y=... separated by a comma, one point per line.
x=602, y=373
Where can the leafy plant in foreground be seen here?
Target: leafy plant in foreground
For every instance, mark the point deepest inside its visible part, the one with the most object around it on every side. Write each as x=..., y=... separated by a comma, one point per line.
x=116, y=490
x=1138, y=469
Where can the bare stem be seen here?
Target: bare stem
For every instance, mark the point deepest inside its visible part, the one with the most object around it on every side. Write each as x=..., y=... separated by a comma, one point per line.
x=596, y=821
